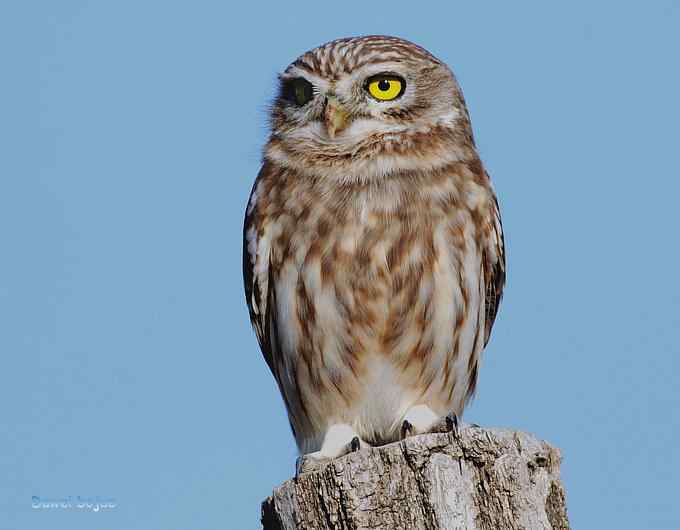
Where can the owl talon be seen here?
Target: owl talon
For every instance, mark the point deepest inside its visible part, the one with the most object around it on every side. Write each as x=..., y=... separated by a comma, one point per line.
x=317, y=460
x=451, y=420
x=355, y=445
x=298, y=467
x=406, y=429
x=308, y=464
x=448, y=423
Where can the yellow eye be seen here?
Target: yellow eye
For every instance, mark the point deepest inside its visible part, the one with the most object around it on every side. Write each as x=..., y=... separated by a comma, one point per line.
x=385, y=87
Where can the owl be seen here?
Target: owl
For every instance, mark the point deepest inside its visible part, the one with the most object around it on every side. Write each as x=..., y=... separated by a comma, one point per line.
x=373, y=252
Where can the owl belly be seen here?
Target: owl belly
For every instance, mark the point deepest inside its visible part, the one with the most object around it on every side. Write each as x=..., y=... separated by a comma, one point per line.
x=374, y=323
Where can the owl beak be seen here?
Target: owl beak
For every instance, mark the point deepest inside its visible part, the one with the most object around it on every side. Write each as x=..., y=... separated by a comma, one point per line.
x=336, y=117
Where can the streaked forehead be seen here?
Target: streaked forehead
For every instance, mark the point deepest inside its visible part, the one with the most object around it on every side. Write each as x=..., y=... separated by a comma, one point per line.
x=342, y=56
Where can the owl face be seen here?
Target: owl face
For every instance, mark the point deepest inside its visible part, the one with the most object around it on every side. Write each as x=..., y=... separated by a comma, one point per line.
x=352, y=105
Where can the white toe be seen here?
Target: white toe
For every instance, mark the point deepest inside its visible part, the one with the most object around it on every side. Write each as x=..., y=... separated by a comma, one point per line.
x=337, y=440
x=421, y=417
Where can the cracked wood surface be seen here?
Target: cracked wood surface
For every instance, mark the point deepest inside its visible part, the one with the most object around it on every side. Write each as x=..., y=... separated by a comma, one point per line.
x=486, y=479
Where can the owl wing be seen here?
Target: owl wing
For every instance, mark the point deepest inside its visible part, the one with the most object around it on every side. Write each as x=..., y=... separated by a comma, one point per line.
x=257, y=272
x=493, y=268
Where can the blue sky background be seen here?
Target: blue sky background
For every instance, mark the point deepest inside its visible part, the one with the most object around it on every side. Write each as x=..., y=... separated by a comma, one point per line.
x=131, y=134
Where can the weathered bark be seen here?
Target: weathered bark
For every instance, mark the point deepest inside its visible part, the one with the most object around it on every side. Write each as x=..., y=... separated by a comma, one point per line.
x=490, y=479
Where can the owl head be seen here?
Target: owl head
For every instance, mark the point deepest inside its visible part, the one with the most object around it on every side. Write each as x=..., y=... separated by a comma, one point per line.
x=366, y=107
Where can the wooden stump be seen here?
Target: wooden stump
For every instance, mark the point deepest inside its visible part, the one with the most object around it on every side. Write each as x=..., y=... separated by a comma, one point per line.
x=490, y=479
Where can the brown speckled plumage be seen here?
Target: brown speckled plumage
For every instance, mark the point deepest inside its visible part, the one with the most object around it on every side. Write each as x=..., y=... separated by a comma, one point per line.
x=373, y=260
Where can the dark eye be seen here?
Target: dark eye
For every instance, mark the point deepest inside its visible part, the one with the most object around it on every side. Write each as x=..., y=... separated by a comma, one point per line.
x=298, y=91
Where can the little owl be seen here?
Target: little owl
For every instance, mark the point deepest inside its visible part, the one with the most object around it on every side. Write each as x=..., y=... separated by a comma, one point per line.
x=373, y=251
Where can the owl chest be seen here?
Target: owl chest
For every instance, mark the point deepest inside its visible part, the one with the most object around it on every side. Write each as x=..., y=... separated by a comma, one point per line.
x=369, y=281
x=363, y=255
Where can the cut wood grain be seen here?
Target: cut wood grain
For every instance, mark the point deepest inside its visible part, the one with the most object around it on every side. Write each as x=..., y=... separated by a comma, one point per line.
x=486, y=479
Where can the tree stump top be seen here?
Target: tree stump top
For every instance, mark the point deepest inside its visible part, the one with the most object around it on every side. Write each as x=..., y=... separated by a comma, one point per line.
x=476, y=478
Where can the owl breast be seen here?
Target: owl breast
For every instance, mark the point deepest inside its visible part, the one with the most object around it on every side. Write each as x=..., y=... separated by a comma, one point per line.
x=377, y=298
